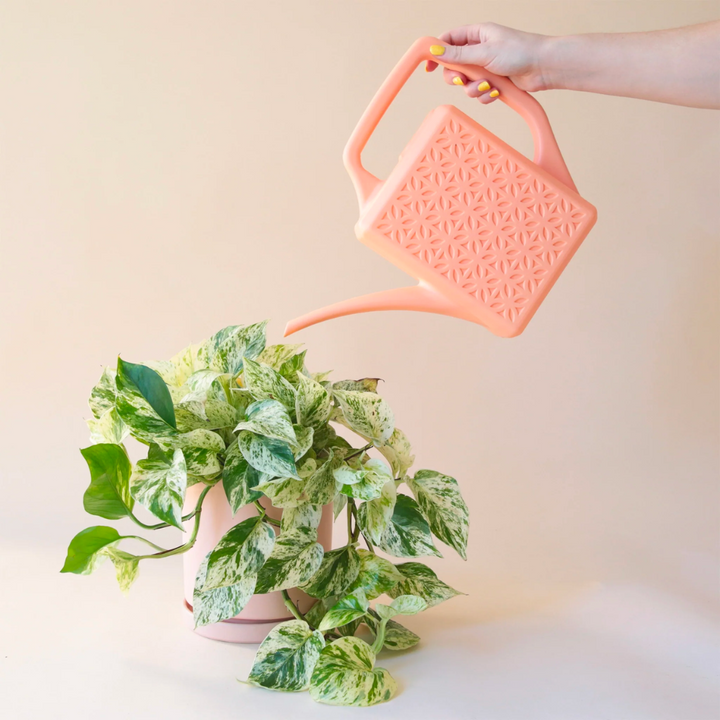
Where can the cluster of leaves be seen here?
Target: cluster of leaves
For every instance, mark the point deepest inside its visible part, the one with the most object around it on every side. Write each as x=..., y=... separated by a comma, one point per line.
x=251, y=417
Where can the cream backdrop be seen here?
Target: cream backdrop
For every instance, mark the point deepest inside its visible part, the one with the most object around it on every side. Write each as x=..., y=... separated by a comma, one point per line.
x=169, y=168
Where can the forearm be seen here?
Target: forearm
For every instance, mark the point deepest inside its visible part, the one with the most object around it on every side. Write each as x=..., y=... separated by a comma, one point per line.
x=679, y=66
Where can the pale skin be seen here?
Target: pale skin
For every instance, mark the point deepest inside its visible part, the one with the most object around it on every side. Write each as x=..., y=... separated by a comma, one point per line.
x=680, y=66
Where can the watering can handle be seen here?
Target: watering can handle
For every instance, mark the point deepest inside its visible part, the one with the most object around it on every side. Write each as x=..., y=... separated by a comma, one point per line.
x=547, y=152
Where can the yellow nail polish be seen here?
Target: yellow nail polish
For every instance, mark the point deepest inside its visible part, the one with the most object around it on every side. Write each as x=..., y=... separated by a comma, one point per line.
x=437, y=50
x=494, y=93
x=483, y=86
x=458, y=80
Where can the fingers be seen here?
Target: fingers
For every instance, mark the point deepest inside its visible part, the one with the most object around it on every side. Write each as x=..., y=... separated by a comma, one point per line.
x=452, y=77
x=479, y=54
x=482, y=90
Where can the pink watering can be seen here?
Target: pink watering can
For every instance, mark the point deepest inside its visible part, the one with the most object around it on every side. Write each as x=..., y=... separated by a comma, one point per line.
x=484, y=230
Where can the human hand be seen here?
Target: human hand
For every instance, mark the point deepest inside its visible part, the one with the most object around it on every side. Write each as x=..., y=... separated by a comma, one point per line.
x=502, y=50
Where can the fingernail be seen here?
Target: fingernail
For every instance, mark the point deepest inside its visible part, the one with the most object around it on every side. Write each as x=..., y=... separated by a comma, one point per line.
x=458, y=80
x=494, y=93
x=483, y=86
x=437, y=50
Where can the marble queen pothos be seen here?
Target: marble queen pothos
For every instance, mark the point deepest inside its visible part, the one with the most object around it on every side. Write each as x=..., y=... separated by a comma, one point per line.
x=235, y=411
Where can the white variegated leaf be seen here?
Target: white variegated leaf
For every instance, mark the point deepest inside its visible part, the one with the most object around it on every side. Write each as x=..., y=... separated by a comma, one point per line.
x=375, y=516
x=397, y=636
x=369, y=481
x=367, y=414
x=339, y=503
x=408, y=533
x=267, y=455
x=344, y=675
x=338, y=571
x=322, y=487
x=442, y=504
x=108, y=428
x=276, y=355
x=267, y=384
x=202, y=462
x=240, y=479
x=159, y=484
x=420, y=580
x=295, y=558
x=377, y=575
x=223, y=603
x=286, y=657
x=126, y=567
x=351, y=607
x=398, y=453
x=303, y=515
x=269, y=418
x=200, y=438
x=313, y=403
x=303, y=440
x=102, y=396
x=283, y=492
x=401, y=605
x=228, y=347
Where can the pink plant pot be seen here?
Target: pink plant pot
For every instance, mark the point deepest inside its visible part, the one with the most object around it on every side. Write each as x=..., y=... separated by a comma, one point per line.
x=262, y=612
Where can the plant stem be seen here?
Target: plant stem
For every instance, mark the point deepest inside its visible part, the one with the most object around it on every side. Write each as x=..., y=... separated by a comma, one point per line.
x=193, y=535
x=142, y=539
x=161, y=525
x=377, y=646
x=349, y=520
x=264, y=514
x=359, y=452
x=353, y=509
x=290, y=605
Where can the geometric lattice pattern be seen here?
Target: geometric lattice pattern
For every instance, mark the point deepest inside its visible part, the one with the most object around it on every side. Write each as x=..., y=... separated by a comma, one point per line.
x=484, y=221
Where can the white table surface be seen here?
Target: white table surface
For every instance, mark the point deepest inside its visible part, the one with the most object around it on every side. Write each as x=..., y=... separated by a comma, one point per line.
x=74, y=647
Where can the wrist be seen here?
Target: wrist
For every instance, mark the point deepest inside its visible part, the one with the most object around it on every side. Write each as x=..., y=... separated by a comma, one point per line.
x=554, y=62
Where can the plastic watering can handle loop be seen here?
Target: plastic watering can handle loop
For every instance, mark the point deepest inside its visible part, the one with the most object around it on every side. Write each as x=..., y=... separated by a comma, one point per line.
x=547, y=152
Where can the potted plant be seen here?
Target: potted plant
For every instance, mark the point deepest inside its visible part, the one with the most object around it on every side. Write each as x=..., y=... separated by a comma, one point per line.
x=241, y=453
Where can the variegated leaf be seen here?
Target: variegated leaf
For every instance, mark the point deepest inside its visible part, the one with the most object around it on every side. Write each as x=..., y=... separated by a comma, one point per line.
x=339, y=503
x=188, y=361
x=303, y=515
x=344, y=675
x=408, y=533
x=375, y=516
x=337, y=572
x=442, y=504
x=295, y=558
x=273, y=457
x=269, y=418
x=200, y=438
x=102, y=396
x=367, y=414
x=351, y=607
x=202, y=463
x=292, y=366
x=212, y=606
x=397, y=636
x=126, y=567
x=228, y=348
x=266, y=384
x=369, y=481
x=144, y=402
x=303, y=440
x=276, y=355
x=240, y=479
x=321, y=377
x=240, y=554
x=398, y=453
x=313, y=403
x=283, y=492
x=322, y=487
x=108, y=428
x=159, y=484
x=108, y=494
x=286, y=657
x=420, y=580
x=362, y=385
x=401, y=605
x=377, y=575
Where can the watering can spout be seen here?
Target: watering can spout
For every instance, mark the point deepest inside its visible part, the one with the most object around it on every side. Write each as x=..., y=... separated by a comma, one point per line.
x=420, y=297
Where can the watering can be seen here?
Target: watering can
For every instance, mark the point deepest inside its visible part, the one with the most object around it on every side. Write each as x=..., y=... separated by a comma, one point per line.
x=484, y=230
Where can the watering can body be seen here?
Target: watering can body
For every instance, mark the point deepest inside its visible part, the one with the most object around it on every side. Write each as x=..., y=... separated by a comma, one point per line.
x=484, y=230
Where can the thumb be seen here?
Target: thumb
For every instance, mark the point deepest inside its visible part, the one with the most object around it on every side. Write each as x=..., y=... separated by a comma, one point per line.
x=478, y=54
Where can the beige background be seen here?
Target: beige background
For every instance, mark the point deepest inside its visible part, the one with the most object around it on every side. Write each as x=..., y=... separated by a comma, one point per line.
x=168, y=168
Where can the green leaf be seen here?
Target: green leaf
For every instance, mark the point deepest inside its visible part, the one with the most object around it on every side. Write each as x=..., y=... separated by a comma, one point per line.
x=109, y=492
x=337, y=572
x=223, y=603
x=362, y=385
x=159, y=484
x=102, y=396
x=322, y=487
x=269, y=418
x=420, y=580
x=228, y=347
x=276, y=355
x=295, y=558
x=401, y=605
x=313, y=402
x=266, y=384
x=303, y=515
x=367, y=414
x=108, y=429
x=408, y=534
x=349, y=608
x=366, y=483
x=83, y=551
x=240, y=479
x=397, y=636
x=286, y=657
x=240, y=554
x=377, y=575
x=398, y=453
x=344, y=675
x=439, y=498
x=144, y=401
x=375, y=516
x=273, y=457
